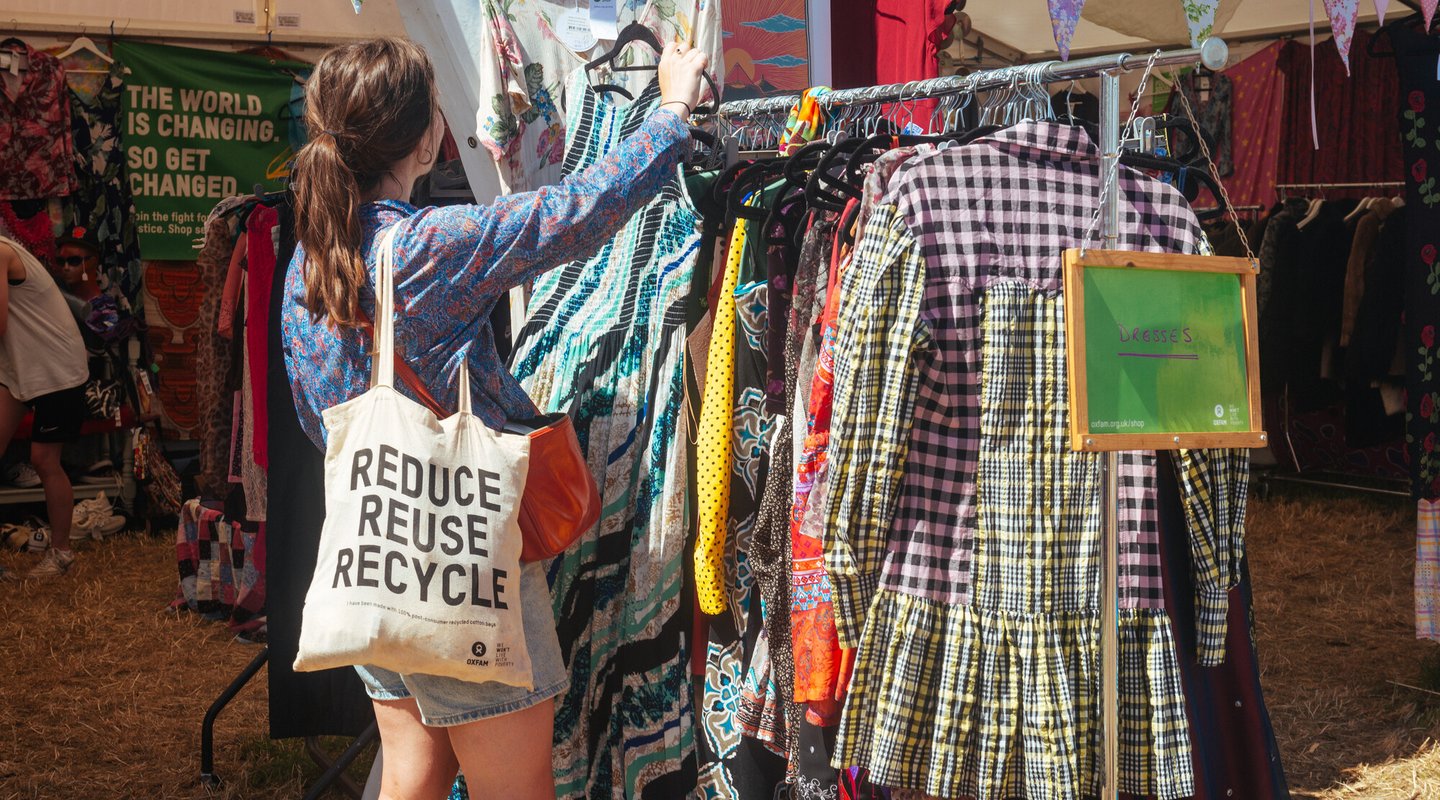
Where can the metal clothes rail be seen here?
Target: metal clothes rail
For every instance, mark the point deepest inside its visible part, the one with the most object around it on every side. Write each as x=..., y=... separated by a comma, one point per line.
x=1212, y=53
x=1355, y=185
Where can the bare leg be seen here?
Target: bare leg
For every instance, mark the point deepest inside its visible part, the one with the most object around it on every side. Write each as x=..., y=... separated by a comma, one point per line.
x=508, y=756
x=418, y=762
x=59, y=494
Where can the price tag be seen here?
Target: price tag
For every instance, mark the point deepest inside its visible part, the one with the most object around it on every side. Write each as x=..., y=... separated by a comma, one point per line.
x=573, y=28
x=602, y=20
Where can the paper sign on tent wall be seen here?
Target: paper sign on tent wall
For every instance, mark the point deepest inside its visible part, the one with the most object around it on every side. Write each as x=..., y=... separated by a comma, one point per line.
x=1064, y=14
x=1342, y=15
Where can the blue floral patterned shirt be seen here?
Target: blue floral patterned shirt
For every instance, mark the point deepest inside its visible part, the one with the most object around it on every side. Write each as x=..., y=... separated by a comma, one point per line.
x=453, y=263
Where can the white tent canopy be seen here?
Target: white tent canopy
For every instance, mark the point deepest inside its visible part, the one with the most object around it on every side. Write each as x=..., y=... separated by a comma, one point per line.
x=1022, y=27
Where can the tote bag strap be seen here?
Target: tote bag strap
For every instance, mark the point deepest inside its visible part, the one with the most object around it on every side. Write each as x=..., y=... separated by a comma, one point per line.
x=385, y=362
x=382, y=365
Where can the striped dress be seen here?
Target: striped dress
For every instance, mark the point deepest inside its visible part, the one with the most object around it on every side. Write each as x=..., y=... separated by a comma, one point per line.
x=605, y=342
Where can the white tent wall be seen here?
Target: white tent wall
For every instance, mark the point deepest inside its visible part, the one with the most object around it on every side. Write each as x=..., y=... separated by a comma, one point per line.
x=228, y=24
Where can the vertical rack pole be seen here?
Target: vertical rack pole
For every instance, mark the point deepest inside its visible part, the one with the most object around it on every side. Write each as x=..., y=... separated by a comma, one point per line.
x=1109, y=479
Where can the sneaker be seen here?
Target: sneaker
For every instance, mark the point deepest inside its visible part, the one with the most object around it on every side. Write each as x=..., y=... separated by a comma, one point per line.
x=54, y=564
x=26, y=538
x=96, y=518
x=101, y=473
x=22, y=475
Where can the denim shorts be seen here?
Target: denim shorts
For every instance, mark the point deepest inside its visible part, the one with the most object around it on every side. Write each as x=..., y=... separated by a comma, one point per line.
x=447, y=701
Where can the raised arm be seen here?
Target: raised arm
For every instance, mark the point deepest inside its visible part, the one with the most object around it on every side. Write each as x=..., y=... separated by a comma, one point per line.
x=485, y=250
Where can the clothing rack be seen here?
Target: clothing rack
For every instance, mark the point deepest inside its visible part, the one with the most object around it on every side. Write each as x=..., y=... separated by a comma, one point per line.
x=1283, y=187
x=1232, y=208
x=1213, y=53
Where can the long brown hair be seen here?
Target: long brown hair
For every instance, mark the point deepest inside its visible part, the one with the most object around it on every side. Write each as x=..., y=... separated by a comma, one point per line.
x=368, y=105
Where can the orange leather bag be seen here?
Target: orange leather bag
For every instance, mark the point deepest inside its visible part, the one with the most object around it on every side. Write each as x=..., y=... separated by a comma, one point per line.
x=561, y=499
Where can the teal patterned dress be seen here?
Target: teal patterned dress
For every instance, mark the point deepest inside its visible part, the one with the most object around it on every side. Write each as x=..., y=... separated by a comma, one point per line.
x=605, y=342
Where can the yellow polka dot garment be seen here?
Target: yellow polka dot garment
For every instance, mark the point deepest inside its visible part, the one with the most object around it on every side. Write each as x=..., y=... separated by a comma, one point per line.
x=713, y=453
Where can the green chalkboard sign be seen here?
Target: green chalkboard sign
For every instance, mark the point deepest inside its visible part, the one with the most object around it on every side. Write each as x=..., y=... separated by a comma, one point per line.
x=1162, y=351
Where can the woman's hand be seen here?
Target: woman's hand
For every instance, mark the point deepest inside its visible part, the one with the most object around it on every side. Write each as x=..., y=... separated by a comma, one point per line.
x=680, y=69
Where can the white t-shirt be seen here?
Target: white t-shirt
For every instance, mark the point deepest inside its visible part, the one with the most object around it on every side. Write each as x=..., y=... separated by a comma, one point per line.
x=41, y=351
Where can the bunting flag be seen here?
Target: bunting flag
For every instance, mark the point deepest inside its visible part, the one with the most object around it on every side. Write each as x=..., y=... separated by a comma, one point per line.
x=1342, y=15
x=1200, y=17
x=1063, y=16
x=1380, y=7
x=1428, y=7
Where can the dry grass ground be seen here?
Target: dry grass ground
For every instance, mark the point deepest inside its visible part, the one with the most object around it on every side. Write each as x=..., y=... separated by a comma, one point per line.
x=1334, y=616
x=103, y=690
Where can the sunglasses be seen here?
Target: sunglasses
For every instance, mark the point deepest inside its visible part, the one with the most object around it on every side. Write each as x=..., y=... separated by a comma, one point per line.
x=74, y=261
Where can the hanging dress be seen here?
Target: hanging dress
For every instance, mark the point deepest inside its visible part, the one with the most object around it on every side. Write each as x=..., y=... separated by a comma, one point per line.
x=605, y=342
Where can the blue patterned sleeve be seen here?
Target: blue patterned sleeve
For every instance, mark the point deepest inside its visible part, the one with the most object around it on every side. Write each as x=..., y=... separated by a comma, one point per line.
x=453, y=256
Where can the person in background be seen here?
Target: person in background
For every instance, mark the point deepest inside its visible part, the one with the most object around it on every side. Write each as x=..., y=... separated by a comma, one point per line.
x=43, y=366
x=375, y=128
x=98, y=312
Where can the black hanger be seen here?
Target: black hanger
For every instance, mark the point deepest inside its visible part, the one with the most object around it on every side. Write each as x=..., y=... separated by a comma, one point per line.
x=871, y=149
x=800, y=163
x=633, y=33
x=754, y=179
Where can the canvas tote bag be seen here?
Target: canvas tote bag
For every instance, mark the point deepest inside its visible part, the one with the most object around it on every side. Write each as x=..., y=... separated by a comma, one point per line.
x=419, y=562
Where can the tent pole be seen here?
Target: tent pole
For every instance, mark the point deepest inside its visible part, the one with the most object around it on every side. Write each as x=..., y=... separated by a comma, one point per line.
x=1110, y=463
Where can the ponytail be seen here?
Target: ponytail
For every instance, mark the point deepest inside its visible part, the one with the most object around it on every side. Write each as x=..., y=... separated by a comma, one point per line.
x=368, y=106
x=329, y=229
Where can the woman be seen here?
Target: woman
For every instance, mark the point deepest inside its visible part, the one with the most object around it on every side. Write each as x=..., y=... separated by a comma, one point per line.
x=375, y=128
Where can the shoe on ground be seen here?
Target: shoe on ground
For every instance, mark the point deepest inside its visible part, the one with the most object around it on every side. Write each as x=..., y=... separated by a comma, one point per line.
x=95, y=517
x=22, y=475
x=26, y=538
x=54, y=564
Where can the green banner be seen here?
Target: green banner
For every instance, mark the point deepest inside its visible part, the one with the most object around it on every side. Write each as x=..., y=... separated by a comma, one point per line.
x=200, y=126
x=1164, y=351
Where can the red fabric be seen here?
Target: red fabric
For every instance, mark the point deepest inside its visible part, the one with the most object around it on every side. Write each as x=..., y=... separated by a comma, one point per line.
x=261, y=274
x=884, y=41
x=1358, y=117
x=36, y=231
x=230, y=298
x=1256, y=122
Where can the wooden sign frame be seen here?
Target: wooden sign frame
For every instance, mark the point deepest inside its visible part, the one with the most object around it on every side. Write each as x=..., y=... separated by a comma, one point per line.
x=1081, y=437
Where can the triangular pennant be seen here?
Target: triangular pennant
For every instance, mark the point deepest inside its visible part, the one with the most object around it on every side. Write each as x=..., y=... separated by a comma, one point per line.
x=1063, y=16
x=1428, y=7
x=1200, y=17
x=1380, y=8
x=1342, y=15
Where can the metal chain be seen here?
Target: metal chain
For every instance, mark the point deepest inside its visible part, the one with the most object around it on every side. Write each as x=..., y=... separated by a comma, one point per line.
x=1112, y=168
x=1215, y=172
